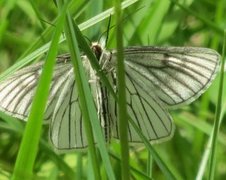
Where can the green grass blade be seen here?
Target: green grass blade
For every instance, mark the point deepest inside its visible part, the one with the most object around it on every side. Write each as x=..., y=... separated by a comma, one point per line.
x=218, y=114
x=81, y=81
x=29, y=145
x=74, y=7
x=122, y=106
x=38, y=14
x=149, y=165
x=94, y=62
x=95, y=122
x=141, y=174
x=154, y=154
x=44, y=48
x=211, y=24
x=5, y=12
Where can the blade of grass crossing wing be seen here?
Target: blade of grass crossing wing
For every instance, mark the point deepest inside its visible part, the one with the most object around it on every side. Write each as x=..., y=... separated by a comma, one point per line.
x=94, y=62
x=29, y=146
x=95, y=122
x=82, y=91
x=122, y=109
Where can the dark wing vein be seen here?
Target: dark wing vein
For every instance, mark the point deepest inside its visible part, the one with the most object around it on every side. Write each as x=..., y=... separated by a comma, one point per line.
x=17, y=91
x=147, y=112
x=176, y=75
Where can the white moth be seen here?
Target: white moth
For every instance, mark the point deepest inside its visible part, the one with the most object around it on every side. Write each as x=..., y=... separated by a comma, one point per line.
x=157, y=78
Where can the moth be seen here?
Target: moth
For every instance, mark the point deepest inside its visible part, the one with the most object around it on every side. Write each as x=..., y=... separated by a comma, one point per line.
x=157, y=79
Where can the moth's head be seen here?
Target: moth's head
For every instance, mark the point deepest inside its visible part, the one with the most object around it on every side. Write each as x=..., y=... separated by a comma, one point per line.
x=97, y=50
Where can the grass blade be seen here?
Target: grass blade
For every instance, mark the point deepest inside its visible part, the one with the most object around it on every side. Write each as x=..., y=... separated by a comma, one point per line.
x=29, y=146
x=154, y=154
x=44, y=48
x=217, y=116
x=83, y=90
x=122, y=106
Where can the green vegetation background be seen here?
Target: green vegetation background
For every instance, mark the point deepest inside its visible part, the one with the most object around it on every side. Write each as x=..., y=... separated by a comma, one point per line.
x=162, y=23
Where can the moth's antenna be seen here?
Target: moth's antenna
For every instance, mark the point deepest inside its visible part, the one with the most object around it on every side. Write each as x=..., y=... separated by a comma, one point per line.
x=47, y=22
x=90, y=42
x=43, y=21
x=108, y=29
